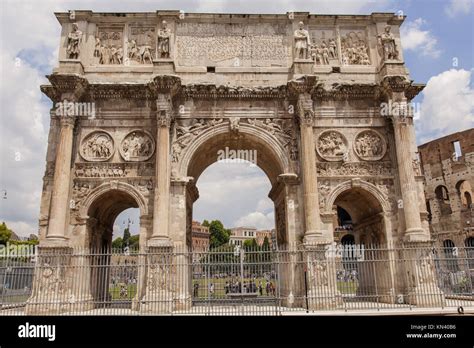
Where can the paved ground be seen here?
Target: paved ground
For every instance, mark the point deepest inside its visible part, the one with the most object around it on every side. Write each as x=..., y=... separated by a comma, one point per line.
x=351, y=308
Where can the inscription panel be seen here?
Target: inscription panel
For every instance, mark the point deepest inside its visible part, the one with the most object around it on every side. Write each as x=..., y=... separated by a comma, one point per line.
x=202, y=44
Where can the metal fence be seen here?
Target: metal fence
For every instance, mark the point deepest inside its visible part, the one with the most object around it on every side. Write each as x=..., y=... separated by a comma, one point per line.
x=230, y=281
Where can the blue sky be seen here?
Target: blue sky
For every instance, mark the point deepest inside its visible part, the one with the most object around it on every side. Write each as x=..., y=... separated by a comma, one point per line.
x=434, y=33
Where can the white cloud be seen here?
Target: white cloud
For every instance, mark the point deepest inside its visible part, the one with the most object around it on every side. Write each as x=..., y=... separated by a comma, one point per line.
x=456, y=7
x=447, y=106
x=257, y=219
x=231, y=192
x=414, y=38
x=24, y=119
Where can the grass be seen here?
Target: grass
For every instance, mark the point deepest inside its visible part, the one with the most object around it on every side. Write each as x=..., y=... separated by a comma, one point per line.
x=219, y=286
x=349, y=287
x=115, y=291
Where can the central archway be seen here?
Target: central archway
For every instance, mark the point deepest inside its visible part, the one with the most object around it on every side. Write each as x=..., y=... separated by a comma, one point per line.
x=270, y=155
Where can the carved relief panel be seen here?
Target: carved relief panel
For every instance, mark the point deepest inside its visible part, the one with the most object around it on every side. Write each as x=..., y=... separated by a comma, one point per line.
x=97, y=146
x=324, y=49
x=109, y=46
x=141, y=45
x=332, y=146
x=354, y=47
x=137, y=146
x=369, y=145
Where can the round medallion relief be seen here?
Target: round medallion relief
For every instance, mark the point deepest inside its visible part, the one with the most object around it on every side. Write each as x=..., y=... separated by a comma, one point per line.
x=137, y=146
x=369, y=145
x=97, y=146
x=332, y=145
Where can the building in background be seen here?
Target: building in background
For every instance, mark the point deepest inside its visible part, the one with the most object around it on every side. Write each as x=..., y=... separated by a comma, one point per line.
x=448, y=168
x=238, y=235
x=200, y=236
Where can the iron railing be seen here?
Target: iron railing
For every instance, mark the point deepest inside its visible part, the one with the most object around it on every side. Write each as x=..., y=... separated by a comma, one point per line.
x=229, y=281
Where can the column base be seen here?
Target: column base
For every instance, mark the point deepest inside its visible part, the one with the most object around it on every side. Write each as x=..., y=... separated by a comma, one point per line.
x=157, y=302
x=322, y=298
x=427, y=295
x=416, y=235
x=183, y=304
x=160, y=242
x=315, y=237
x=54, y=242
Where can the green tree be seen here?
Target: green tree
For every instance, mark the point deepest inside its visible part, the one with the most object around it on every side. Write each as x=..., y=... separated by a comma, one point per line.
x=250, y=244
x=5, y=233
x=117, y=243
x=266, y=244
x=126, y=237
x=205, y=223
x=218, y=234
x=134, y=242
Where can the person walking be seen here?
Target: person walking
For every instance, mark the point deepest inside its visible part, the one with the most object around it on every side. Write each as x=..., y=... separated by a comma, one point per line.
x=196, y=290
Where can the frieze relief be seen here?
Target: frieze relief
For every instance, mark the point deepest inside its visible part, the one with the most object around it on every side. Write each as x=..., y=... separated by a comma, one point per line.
x=97, y=146
x=137, y=146
x=369, y=145
x=332, y=146
x=113, y=170
x=354, y=169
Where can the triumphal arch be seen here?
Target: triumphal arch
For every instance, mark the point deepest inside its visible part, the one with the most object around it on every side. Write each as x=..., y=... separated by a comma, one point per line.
x=143, y=102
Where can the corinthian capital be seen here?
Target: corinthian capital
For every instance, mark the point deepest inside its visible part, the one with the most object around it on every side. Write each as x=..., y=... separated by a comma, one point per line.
x=164, y=118
x=67, y=121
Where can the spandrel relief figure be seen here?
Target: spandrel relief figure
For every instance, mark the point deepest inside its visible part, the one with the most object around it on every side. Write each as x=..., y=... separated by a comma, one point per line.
x=302, y=42
x=164, y=36
x=387, y=44
x=73, y=40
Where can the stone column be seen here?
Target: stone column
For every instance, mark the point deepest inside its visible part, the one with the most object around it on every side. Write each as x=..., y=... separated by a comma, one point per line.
x=62, y=175
x=408, y=185
x=313, y=231
x=160, y=236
